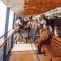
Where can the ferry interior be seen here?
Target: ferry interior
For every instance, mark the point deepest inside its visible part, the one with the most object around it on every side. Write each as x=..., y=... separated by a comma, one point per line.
x=30, y=30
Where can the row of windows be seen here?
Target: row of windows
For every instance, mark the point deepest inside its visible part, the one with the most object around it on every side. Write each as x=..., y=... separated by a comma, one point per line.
x=3, y=14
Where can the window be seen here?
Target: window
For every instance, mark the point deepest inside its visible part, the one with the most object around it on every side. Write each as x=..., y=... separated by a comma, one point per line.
x=3, y=9
x=10, y=24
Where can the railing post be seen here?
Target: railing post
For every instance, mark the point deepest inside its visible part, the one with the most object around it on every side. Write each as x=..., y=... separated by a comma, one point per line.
x=6, y=30
x=12, y=40
x=4, y=52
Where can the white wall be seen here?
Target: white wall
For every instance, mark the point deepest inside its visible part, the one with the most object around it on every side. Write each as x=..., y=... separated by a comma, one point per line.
x=11, y=15
x=2, y=18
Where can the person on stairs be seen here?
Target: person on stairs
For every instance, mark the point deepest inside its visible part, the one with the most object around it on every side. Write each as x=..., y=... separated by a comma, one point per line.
x=33, y=26
x=44, y=38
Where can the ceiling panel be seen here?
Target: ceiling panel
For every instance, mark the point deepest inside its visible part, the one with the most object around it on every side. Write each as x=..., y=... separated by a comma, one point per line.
x=32, y=7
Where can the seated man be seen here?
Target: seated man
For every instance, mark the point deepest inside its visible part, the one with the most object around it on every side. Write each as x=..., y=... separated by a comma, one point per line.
x=44, y=38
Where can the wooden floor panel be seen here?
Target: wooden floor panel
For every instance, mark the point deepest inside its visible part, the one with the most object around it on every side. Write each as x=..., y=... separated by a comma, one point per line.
x=44, y=58
x=27, y=56
x=56, y=59
x=23, y=56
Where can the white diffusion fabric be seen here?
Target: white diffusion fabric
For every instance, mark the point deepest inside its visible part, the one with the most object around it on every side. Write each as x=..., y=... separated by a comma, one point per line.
x=10, y=24
x=3, y=9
